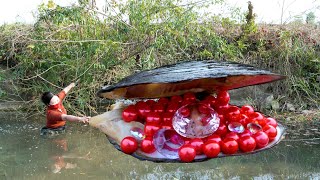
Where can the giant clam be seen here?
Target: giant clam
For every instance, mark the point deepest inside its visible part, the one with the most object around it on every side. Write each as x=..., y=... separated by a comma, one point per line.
x=198, y=77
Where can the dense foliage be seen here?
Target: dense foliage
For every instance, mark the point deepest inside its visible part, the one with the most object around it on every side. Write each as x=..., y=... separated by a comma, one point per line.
x=82, y=43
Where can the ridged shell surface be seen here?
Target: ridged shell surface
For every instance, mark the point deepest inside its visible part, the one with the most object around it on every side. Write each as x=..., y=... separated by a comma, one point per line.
x=186, y=76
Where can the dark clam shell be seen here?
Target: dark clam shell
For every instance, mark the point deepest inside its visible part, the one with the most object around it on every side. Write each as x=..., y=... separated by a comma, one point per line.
x=194, y=76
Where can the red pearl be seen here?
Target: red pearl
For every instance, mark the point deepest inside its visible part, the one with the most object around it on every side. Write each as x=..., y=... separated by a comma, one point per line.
x=147, y=145
x=211, y=149
x=187, y=153
x=261, y=138
x=150, y=129
x=245, y=133
x=229, y=146
x=185, y=112
x=232, y=135
x=163, y=100
x=247, y=109
x=167, y=118
x=189, y=96
x=214, y=137
x=172, y=107
x=223, y=98
x=270, y=131
x=247, y=144
x=197, y=144
x=130, y=114
x=143, y=109
x=212, y=100
x=129, y=145
x=153, y=118
x=222, y=130
x=271, y=121
x=158, y=107
x=176, y=99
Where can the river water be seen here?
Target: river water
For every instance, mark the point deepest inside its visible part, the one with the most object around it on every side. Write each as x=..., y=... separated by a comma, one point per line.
x=84, y=153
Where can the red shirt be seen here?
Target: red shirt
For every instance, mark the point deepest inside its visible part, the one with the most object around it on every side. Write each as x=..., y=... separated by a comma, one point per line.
x=54, y=119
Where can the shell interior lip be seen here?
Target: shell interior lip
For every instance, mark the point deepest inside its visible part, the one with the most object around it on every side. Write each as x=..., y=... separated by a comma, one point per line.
x=195, y=76
x=155, y=157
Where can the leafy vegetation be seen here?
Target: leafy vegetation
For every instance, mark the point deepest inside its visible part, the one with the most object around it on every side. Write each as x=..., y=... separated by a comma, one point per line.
x=82, y=43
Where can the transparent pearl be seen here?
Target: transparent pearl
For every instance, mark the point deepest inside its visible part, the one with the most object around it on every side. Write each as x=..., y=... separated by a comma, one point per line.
x=254, y=127
x=167, y=142
x=236, y=127
x=137, y=133
x=196, y=120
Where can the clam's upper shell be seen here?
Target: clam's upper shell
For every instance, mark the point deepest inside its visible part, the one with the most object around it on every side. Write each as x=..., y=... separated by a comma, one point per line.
x=188, y=76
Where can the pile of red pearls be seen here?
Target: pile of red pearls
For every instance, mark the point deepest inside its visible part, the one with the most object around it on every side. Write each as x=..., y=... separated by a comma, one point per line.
x=157, y=115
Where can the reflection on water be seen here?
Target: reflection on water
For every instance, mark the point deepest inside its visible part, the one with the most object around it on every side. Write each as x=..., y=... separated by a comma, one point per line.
x=84, y=153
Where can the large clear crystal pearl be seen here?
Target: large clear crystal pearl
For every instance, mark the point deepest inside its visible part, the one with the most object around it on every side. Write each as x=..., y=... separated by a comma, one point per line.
x=196, y=120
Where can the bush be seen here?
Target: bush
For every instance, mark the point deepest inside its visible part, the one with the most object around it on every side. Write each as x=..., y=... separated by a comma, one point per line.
x=81, y=43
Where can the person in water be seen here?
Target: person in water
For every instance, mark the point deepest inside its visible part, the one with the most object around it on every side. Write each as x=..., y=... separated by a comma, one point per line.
x=56, y=113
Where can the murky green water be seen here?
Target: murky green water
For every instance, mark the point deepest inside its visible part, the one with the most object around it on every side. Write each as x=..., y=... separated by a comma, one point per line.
x=84, y=153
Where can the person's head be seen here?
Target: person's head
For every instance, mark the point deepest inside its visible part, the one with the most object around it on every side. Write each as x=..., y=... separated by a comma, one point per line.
x=48, y=98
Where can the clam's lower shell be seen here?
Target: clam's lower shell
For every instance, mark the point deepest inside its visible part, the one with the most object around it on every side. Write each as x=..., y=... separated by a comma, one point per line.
x=157, y=157
x=194, y=76
x=116, y=129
